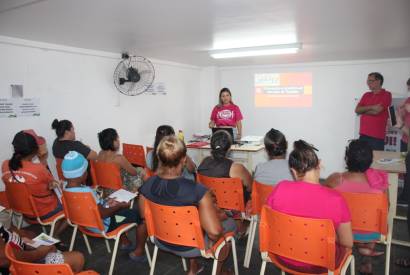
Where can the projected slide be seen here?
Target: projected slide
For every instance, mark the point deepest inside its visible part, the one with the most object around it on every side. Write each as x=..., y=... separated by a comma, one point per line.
x=283, y=90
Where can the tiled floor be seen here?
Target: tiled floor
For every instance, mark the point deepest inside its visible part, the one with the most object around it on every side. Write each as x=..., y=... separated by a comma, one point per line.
x=168, y=264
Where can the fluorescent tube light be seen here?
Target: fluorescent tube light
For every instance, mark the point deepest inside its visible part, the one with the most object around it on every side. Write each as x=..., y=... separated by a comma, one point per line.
x=256, y=51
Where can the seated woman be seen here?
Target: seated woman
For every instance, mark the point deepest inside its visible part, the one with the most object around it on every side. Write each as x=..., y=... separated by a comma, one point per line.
x=110, y=144
x=43, y=254
x=66, y=142
x=218, y=165
x=305, y=197
x=152, y=159
x=277, y=167
x=168, y=187
x=114, y=213
x=360, y=178
x=21, y=170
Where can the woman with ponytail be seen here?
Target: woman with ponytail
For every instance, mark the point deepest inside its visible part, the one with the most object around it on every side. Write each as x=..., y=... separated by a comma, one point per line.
x=21, y=170
x=276, y=168
x=66, y=142
x=305, y=197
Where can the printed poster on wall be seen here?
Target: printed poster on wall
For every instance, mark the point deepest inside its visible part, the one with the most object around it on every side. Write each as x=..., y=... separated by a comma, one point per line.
x=19, y=107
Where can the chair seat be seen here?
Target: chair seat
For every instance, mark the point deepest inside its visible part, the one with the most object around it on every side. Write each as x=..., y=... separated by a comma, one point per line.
x=110, y=235
x=50, y=220
x=273, y=259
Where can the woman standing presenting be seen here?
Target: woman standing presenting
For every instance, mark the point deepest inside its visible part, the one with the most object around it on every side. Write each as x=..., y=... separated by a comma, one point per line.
x=226, y=114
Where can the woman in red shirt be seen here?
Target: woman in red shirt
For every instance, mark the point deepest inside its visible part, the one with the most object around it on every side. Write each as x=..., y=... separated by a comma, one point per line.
x=226, y=114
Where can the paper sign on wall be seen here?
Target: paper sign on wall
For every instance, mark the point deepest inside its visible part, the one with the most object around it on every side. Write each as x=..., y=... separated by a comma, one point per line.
x=18, y=107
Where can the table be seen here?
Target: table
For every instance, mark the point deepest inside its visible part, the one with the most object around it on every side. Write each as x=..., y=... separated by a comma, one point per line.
x=248, y=154
x=393, y=170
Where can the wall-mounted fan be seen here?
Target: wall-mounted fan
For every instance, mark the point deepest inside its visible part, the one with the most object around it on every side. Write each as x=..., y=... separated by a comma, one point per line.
x=133, y=75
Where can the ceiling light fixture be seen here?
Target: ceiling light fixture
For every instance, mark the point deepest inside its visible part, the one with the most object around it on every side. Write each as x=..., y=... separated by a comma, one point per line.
x=256, y=51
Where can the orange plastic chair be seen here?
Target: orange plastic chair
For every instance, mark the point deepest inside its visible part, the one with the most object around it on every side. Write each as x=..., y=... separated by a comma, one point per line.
x=23, y=268
x=260, y=193
x=228, y=192
x=135, y=154
x=312, y=241
x=93, y=174
x=369, y=212
x=58, y=168
x=21, y=201
x=82, y=212
x=3, y=200
x=180, y=225
x=107, y=175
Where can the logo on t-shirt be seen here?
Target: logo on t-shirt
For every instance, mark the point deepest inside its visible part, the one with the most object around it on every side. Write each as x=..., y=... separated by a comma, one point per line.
x=17, y=179
x=225, y=114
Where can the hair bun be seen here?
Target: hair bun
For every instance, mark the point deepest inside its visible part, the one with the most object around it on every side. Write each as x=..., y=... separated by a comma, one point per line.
x=54, y=124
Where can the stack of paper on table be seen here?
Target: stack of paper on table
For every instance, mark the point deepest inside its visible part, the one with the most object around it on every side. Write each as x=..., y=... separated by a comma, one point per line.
x=123, y=195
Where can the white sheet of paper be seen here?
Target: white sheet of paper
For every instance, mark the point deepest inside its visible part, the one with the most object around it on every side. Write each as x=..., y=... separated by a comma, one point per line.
x=43, y=239
x=2, y=208
x=122, y=195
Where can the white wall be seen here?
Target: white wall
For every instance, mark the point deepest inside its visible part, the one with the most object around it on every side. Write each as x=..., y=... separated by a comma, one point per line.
x=75, y=84
x=330, y=122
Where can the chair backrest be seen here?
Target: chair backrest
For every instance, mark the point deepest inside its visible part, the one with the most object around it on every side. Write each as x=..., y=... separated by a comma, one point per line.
x=228, y=191
x=135, y=154
x=149, y=149
x=107, y=175
x=23, y=268
x=80, y=208
x=307, y=240
x=178, y=225
x=260, y=193
x=59, y=170
x=20, y=199
x=93, y=174
x=3, y=200
x=368, y=211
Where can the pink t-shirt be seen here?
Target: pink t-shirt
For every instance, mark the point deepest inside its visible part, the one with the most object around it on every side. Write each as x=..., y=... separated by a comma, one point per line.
x=377, y=182
x=406, y=118
x=308, y=200
x=226, y=115
x=375, y=125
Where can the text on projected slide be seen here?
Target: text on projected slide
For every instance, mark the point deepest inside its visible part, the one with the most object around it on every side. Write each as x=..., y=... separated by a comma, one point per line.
x=283, y=90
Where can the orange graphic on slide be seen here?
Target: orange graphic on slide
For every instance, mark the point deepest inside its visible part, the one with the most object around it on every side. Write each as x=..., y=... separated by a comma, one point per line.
x=283, y=90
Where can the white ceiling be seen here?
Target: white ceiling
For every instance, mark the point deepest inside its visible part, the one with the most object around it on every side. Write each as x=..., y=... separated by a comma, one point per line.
x=184, y=30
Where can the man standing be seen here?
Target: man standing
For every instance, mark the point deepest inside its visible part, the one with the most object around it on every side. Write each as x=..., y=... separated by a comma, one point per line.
x=373, y=111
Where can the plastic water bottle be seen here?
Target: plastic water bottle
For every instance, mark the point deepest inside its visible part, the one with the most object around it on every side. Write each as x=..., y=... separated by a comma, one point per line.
x=181, y=135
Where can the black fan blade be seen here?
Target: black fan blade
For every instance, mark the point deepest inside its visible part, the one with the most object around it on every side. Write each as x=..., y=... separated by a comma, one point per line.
x=123, y=80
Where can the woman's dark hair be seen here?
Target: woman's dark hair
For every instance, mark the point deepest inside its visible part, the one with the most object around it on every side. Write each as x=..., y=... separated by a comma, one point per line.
x=303, y=157
x=223, y=90
x=408, y=82
x=61, y=126
x=162, y=131
x=377, y=76
x=358, y=156
x=106, y=139
x=275, y=143
x=24, y=145
x=221, y=142
x=170, y=151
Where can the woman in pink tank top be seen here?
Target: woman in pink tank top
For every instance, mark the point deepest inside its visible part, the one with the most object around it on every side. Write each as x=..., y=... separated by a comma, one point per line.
x=360, y=178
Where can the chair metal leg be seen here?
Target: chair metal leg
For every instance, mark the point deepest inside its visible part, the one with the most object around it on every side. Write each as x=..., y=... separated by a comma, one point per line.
x=282, y=272
x=235, y=258
x=87, y=244
x=184, y=264
x=53, y=226
x=44, y=229
x=107, y=244
x=20, y=223
x=249, y=245
x=154, y=260
x=214, y=266
x=387, y=267
x=114, y=254
x=352, y=267
x=73, y=238
x=148, y=255
x=263, y=267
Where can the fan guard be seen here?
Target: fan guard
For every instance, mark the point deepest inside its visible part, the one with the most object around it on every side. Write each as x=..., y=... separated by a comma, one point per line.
x=134, y=75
